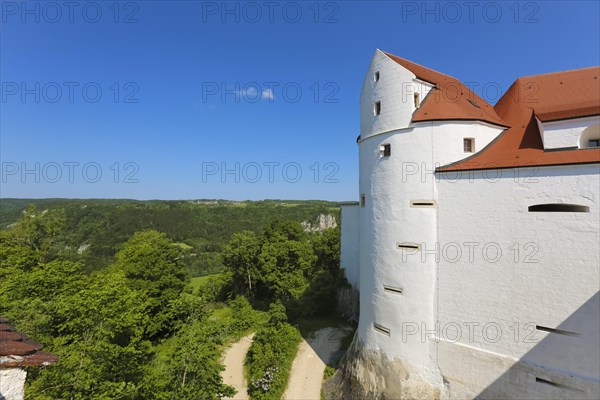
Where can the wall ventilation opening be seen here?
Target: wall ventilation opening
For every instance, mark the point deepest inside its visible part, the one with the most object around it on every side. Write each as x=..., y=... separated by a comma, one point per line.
x=557, y=331
x=557, y=385
x=558, y=207
x=408, y=246
x=392, y=289
x=417, y=99
x=381, y=329
x=422, y=203
x=377, y=108
x=385, y=150
x=363, y=200
x=376, y=77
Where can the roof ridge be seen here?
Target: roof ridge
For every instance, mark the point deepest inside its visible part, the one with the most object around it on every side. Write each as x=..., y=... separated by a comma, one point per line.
x=419, y=65
x=557, y=72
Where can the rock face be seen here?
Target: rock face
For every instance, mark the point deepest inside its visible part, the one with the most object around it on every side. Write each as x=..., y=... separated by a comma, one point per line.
x=348, y=302
x=82, y=248
x=367, y=374
x=324, y=221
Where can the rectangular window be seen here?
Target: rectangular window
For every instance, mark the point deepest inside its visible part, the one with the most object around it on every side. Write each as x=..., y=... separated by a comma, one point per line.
x=417, y=100
x=376, y=77
x=469, y=145
x=594, y=143
x=377, y=108
x=362, y=200
x=385, y=150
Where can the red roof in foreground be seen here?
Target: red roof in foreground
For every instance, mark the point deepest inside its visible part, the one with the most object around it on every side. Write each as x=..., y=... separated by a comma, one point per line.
x=547, y=97
x=16, y=350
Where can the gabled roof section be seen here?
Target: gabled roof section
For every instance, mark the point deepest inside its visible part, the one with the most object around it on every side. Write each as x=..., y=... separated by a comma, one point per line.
x=548, y=97
x=450, y=100
x=564, y=95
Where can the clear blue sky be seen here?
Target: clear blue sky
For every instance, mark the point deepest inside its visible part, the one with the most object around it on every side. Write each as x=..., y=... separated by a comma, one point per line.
x=292, y=74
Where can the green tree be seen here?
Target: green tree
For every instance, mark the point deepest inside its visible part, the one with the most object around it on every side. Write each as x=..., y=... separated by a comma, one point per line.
x=277, y=314
x=149, y=262
x=100, y=342
x=240, y=257
x=327, y=249
x=187, y=365
x=286, y=268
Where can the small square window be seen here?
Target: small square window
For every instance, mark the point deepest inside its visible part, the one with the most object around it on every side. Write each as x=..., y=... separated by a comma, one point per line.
x=594, y=143
x=385, y=150
x=469, y=145
x=376, y=77
x=362, y=200
x=417, y=99
x=377, y=108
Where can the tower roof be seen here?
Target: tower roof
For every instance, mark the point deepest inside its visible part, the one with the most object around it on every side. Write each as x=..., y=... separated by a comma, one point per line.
x=450, y=100
x=546, y=97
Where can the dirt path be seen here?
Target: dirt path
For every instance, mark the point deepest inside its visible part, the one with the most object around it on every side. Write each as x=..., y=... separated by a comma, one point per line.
x=234, y=367
x=306, y=376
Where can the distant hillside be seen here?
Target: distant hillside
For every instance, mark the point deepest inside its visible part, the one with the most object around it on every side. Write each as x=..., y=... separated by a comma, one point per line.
x=96, y=228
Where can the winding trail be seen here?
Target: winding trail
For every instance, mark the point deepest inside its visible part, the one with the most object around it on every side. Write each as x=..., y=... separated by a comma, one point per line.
x=306, y=376
x=234, y=367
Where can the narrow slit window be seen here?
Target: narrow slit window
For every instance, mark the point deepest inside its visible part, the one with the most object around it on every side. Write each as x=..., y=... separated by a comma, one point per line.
x=408, y=246
x=377, y=108
x=376, y=77
x=558, y=207
x=557, y=331
x=556, y=384
x=385, y=150
x=381, y=329
x=469, y=145
x=417, y=100
x=422, y=203
x=363, y=200
x=392, y=289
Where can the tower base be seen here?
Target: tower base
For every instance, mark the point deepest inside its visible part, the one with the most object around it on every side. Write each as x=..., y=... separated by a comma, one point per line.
x=370, y=374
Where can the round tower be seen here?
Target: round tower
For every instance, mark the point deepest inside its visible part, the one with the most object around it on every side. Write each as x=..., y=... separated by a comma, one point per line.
x=397, y=226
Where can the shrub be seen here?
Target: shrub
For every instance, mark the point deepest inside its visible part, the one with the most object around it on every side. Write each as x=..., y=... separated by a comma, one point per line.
x=270, y=357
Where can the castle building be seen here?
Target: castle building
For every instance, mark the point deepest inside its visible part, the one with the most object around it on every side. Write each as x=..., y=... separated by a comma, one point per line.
x=475, y=241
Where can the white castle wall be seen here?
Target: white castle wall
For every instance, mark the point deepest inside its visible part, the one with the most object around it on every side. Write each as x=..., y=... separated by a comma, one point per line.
x=388, y=185
x=503, y=270
x=395, y=90
x=487, y=210
x=568, y=133
x=12, y=383
x=349, y=243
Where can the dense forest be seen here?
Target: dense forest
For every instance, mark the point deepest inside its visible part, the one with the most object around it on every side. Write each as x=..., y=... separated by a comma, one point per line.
x=126, y=321
x=96, y=229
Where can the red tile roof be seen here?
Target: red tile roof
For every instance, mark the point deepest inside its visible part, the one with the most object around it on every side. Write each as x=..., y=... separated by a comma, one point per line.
x=547, y=97
x=450, y=98
x=16, y=350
